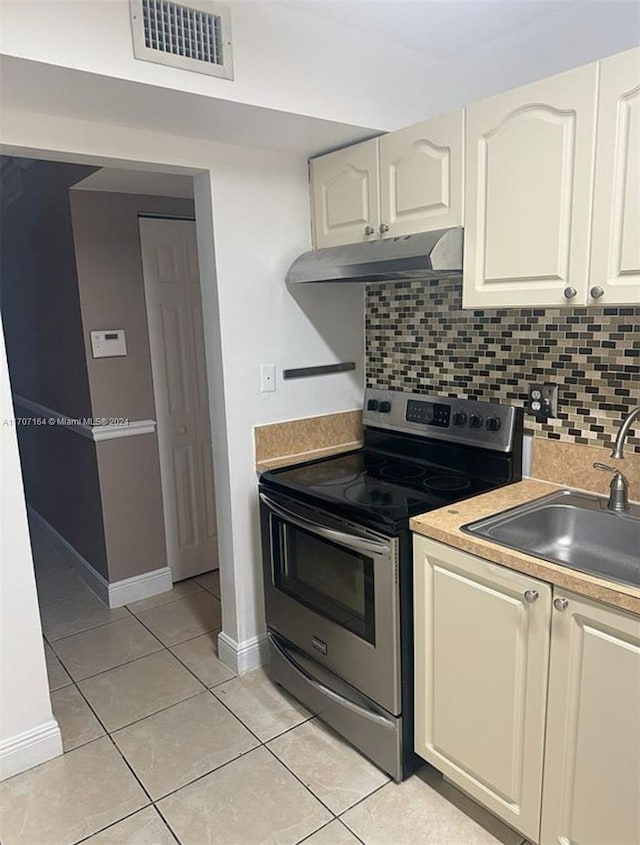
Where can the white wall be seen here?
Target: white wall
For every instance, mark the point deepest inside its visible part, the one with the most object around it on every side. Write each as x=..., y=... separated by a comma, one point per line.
x=283, y=59
x=28, y=733
x=260, y=223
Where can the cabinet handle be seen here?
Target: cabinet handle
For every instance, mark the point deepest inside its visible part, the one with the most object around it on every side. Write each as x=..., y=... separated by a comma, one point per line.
x=383, y=228
x=596, y=292
x=531, y=595
x=369, y=230
x=561, y=604
x=569, y=292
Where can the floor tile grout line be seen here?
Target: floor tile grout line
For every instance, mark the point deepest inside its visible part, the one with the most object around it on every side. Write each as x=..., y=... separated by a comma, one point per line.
x=83, y=630
x=166, y=603
x=120, y=620
x=202, y=587
x=168, y=824
x=331, y=821
x=156, y=712
x=235, y=716
x=113, y=742
x=142, y=718
x=172, y=645
x=359, y=801
x=117, y=666
x=109, y=826
x=215, y=630
x=124, y=607
x=241, y=720
x=157, y=801
x=292, y=728
x=300, y=781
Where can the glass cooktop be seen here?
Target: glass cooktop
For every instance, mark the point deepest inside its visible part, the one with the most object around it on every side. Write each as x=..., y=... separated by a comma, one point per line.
x=375, y=488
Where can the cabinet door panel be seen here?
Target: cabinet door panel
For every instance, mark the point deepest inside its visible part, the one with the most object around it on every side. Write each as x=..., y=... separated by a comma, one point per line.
x=615, y=256
x=421, y=176
x=345, y=191
x=528, y=193
x=592, y=763
x=481, y=676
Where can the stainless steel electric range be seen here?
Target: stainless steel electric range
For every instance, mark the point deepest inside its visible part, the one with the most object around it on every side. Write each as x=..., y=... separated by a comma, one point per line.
x=337, y=556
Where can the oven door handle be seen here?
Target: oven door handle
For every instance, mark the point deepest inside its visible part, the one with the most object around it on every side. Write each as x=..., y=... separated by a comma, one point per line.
x=366, y=712
x=351, y=541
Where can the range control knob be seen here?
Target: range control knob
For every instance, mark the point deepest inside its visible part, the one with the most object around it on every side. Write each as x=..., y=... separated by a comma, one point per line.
x=459, y=418
x=493, y=423
x=384, y=407
x=475, y=421
x=372, y=405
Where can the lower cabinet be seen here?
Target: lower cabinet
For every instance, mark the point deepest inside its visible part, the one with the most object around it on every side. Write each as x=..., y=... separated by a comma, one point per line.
x=591, y=792
x=528, y=698
x=481, y=667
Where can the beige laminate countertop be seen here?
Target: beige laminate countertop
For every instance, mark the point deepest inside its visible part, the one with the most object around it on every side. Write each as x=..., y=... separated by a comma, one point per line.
x=444, y=525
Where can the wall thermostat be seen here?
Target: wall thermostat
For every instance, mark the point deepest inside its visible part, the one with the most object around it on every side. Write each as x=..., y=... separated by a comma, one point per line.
x=110, y=343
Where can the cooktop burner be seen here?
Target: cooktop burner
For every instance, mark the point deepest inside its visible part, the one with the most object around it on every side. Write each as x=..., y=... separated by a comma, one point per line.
x=402, y=472
x=446, y=483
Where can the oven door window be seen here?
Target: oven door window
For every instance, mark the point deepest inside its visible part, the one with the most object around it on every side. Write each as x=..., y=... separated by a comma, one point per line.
x=333, y=580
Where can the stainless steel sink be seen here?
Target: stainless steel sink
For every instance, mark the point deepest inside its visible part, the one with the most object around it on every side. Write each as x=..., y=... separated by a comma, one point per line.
x=573, y=529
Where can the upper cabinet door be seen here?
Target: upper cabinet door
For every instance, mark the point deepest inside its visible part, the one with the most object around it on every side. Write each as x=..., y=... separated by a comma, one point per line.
x=615, y=249
x=345, y=194
x=529, y=166
x=421, y=176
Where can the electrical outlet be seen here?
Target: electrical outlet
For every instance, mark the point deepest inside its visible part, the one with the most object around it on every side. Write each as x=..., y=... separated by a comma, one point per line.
x=268, y=378
x=543, y=401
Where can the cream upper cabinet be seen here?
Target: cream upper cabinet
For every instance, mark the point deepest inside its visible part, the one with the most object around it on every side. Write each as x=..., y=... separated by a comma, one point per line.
x=529, y=175
x=615, y=247
x=399, y=184
x=481, y=660
x=345, y=195
x=421, y=176
x=592, y=758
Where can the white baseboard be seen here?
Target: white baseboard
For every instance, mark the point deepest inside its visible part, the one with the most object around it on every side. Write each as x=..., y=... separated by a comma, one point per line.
x=29, y=749
x=140, y=586
x=242, y=657
x=115, y=593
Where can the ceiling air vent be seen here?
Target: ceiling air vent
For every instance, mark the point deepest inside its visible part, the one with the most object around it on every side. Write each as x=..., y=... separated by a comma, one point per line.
x=194, y=37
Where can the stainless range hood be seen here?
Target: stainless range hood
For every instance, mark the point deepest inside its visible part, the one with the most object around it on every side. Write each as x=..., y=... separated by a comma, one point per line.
x=429, y=255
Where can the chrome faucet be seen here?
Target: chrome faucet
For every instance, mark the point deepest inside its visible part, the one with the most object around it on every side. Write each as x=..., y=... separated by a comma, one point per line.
x=627, y=422
x=619, y=489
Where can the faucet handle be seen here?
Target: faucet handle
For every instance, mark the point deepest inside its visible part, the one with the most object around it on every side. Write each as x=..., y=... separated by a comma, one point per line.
x=619, y=495
x=606, y=468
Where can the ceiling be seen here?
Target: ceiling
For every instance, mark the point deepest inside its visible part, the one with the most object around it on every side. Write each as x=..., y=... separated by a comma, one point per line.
x=149, y=183
x=450, y=29
x=469, y=49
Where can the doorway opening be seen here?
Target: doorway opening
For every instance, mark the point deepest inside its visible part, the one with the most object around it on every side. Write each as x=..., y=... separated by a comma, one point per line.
x=80, y=245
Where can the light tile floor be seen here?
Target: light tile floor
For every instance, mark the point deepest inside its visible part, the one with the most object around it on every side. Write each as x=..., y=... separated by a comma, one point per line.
x=163, y=744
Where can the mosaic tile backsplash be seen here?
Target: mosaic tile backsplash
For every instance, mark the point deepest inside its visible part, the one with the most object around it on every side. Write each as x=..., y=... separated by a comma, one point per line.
x=418, y=338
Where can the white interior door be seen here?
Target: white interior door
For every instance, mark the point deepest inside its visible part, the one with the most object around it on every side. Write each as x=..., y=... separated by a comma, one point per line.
x=176, y=337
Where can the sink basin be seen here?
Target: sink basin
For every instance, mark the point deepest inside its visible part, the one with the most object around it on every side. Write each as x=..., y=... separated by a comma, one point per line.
x=573, y=529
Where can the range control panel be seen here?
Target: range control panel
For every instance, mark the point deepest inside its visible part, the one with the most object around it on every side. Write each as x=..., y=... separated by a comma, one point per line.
x=488, y=425
x=427, y=413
